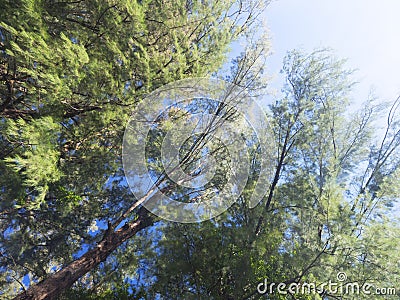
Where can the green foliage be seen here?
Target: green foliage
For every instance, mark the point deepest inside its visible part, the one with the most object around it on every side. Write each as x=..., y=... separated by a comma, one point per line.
x=37, y=157
x=71, y=72
x=323, y=217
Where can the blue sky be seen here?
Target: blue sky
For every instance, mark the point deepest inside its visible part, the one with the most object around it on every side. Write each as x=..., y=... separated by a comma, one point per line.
x=365, y=32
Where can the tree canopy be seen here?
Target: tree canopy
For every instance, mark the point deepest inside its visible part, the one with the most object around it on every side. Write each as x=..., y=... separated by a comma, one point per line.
x=72, y=73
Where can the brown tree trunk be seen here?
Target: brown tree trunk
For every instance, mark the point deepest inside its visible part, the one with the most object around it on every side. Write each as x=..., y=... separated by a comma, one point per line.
x=58, y=282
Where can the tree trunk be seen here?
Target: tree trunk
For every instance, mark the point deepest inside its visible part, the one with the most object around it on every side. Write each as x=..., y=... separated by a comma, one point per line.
x=58, y=282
